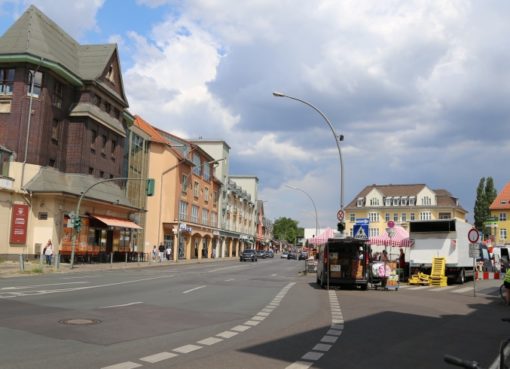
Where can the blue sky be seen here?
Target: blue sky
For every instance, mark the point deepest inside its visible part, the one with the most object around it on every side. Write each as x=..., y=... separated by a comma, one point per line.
x=418, y=88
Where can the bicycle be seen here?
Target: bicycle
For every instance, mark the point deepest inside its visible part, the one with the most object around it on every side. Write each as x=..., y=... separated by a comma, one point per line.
x=504, y=356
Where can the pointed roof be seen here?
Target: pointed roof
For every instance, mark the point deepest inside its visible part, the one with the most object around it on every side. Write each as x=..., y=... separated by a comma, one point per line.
x=37, y=39
x=502, y=201
x=150, y=130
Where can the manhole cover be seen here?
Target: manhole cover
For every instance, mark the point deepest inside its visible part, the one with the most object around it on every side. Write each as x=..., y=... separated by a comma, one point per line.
x=79, y=321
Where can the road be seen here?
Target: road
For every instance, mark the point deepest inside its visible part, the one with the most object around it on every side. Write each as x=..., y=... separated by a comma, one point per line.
x=224, y=315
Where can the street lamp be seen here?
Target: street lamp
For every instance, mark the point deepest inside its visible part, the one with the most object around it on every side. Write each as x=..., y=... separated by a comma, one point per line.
x=315, y=208
x=338, y=138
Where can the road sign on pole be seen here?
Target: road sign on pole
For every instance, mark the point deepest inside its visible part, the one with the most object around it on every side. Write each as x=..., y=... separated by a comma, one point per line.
x=340, y=215
x=473, y=235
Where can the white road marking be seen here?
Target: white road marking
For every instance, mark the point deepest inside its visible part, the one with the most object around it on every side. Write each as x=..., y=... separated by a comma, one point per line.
x=227, y=334
x=210, y=341
x=462, y=290
x=258, y=317
x=240, y=328
x=186, y=349
x=251, y=322
x=224, y=268
x=194, y=289
x=158, y=357
x=322, y=347
x=441, y=289
x=40, y=285
x=122, y=305
x=329, y=339
x=312, y=356
x=300, y=365
x=125, y=365
x=230, y=280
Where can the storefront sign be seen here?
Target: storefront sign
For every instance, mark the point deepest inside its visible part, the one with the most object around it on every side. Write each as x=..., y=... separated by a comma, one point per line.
x=19, y=221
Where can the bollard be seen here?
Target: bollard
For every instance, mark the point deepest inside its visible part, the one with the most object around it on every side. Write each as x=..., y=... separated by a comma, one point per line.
x=126, y=257
x=57, y=261
x=21, y=263
x=306, y=267
x=137, y=258
x=111, y=259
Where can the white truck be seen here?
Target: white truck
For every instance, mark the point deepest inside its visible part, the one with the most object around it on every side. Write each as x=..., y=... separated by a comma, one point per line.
x=444, y=238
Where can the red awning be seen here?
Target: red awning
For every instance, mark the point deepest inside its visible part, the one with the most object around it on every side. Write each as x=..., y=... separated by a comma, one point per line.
x=117, y=222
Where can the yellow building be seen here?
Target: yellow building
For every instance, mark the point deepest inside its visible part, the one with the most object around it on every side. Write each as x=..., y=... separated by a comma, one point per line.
x=500, y=214
x=400, y=204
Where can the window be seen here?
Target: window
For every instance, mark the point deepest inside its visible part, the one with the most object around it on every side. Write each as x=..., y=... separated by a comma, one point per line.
x=5, y=158
x=387, y=201
x=403, y=200
x=97, y=101
x=206, y=194
x=404, y=217
x=426, y=200
x=116, y=113
x=412, y=201
x=54, y=130
x=205, y=216
x=58, y=95
x=183, y=210
x=216, y=197
x=444, y=215
x=502, y=233
x=184, y=183
x=107, y=107
x=352, y=217
x=6, y=81
x=196, y=189
x=196, y=163
x=387, y=217
x=395, y=217
x=194, y=214
x=37, y=83
x=374, y=201
x=374, y=217
x=360, y=202
x=103, y=144
x=114, y=146
x=214, y=219
x=207, y=171
x=502, y=217
x=93, y=137
x=412, y=217
x=425, y=215
x=396, y=201
x=373, y=232
x=110, y=74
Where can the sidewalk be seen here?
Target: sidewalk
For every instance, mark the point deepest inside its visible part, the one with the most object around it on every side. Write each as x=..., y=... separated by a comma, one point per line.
x=34, y=267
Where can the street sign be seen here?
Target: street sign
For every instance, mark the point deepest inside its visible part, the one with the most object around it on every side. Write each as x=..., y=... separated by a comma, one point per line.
x=360, y=231
x=340, y=215
x=362, y=221
x=473, y=235
x=474, y=250
x=391, y=224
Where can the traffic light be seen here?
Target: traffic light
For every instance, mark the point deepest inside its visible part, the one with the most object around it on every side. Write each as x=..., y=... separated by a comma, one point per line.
x=149, y=189
x=77, y=224
x=340, y=226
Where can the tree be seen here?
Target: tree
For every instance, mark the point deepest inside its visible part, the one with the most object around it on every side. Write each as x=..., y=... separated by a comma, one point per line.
x=485, y=195
x=285, y=229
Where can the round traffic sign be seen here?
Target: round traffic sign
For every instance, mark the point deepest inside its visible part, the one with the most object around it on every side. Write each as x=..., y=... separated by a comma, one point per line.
x=391, y=224
x=340, y=215
x=473, y=235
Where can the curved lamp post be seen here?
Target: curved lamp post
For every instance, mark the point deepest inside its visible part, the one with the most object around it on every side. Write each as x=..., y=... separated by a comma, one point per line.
x=338, y=138
x=314, y=207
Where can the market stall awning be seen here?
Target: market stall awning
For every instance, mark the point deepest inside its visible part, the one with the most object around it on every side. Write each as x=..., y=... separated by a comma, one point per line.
x=398, y=238
x=323, y=237
x=116, y=222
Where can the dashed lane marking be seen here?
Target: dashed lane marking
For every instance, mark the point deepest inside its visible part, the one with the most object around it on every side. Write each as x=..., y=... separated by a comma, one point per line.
x=125, y=365
x=186, y=349
x=158, y=357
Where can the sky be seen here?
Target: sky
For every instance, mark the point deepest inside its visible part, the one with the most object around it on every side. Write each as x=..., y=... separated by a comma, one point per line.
x=417, y=88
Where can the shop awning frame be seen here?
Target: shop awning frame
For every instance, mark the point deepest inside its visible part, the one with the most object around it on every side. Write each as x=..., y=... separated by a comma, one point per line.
x=116, y=222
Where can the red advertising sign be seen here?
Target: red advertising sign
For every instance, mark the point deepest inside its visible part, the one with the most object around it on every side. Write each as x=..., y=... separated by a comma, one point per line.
x=19, y=222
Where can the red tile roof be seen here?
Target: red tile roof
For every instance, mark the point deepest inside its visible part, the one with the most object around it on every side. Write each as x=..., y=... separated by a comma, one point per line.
x=150, y=130
x=502, y=201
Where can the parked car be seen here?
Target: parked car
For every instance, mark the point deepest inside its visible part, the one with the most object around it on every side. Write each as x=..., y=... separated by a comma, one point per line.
x=269, y=254
x=303, y=255
x=284, y=255
x=248, y=254
x=261, y=254
x=292, y=255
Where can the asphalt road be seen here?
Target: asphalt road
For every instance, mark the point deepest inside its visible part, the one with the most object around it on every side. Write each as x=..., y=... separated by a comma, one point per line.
x=239, y=315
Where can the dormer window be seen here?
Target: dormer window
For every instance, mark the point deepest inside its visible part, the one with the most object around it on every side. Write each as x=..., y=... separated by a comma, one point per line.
x=387, y=201
x=110, y=75
x=403, y=200
x=359, y=203
x=396, y=201
x=412, y=201
x=374, y=201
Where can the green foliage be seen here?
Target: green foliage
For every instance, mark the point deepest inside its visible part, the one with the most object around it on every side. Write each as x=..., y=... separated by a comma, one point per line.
x=485, y=195
x=286, y=229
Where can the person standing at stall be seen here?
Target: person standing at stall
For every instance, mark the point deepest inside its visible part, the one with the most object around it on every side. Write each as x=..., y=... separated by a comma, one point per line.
x=48, y=252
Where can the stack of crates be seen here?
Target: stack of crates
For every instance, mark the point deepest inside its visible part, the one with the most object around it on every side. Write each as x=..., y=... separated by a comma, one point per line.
x=437, y=276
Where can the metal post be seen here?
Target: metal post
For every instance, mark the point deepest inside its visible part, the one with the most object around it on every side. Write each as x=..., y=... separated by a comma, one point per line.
x=126, y=257
x=21, y=263
x=57, y=260
x=111, y=259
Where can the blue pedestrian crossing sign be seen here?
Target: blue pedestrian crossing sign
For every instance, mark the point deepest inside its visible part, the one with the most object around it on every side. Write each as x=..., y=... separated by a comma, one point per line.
x=360, y=231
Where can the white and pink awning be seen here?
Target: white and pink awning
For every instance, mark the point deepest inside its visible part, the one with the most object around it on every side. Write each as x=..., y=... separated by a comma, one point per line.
x=399, y=238
x=323, y=237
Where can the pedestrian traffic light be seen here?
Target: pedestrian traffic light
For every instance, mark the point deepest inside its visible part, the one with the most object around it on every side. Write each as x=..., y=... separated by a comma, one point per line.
x=77, y=224
x=340, y=226
x=149, y=188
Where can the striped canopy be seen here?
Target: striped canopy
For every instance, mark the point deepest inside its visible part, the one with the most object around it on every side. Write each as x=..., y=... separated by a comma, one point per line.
x=323, y=237
x=399, y=238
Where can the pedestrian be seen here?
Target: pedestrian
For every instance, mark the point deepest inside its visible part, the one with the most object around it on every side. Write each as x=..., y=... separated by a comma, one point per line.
x=168, y=253
x=506, y=282
x=48, y=252
x=402, y=260
x=161, y=252
x=154, y=253
x=384, y=256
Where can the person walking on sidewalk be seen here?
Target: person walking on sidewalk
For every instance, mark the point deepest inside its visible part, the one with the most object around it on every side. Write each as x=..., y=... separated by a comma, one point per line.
x=48, y=252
